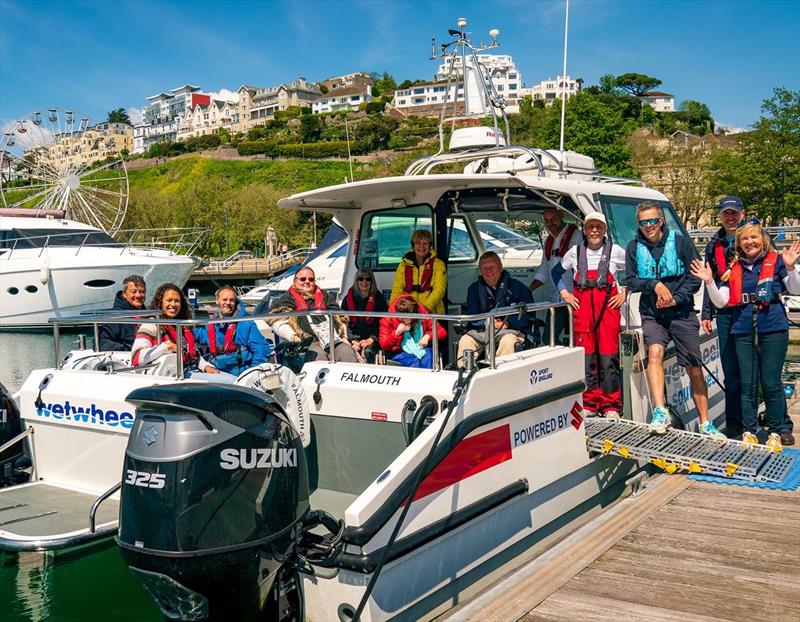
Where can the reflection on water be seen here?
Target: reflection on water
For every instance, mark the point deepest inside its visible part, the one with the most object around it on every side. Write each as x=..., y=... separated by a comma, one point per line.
x=20, y=353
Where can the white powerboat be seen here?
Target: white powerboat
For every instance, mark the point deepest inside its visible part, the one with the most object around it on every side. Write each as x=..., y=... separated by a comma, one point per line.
x=53, y=267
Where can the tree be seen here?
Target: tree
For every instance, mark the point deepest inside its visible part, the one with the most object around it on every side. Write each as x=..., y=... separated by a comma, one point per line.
x=310, y=128
x=608, y=84
x=765, y=170
x=697, y=117
x=383, y=84
x=405, y=84
x=118, y=116
x=637, y=84
x=375, y=131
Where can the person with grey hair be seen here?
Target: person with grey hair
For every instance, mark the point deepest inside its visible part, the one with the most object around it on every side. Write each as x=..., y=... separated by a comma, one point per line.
x=119, y=337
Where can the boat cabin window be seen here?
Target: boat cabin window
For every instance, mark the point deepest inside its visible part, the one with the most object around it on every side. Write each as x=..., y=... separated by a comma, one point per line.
x=462, y=246
x=38, y=238
x=621, y=215
x=385, y=235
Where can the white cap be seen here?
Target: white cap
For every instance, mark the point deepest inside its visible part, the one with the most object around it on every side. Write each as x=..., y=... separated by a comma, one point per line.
x=598, y=216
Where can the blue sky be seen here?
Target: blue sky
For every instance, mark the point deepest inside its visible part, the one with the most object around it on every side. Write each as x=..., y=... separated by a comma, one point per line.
x=97, y=56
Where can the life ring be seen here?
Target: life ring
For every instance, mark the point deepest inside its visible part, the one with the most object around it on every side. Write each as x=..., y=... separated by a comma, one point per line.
x=285, y=386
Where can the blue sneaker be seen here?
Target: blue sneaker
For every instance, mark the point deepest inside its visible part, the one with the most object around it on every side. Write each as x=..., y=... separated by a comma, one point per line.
x=709, y=430
x=660, y=421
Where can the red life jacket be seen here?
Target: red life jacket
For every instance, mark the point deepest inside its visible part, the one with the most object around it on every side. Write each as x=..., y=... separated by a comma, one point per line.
x=188, y=338
x=424, y=282
x=594, y=304
x=228, y=345
x=351, y=306
x=720, y=259
x=563, y=246
x=301, y=304
x=765, y=278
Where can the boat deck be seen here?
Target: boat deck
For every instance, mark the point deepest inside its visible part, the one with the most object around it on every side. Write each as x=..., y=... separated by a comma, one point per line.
x=683, y=551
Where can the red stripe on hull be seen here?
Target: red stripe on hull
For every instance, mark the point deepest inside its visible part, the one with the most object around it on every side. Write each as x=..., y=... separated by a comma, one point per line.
x=472, y=455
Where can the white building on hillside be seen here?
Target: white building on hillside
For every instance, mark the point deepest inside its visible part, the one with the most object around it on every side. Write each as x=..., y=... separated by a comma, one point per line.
x=209, y=118
x=161, y=116
x=661, y=102
x=504, y=74
x=347, y=98
x=552, y=89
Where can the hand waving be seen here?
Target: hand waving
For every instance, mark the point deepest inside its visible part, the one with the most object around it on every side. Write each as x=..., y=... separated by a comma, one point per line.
x=701, y=271
x=790, y=255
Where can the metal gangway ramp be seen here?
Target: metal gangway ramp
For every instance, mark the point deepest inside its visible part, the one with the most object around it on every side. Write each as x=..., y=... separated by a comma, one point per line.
x=688, y=451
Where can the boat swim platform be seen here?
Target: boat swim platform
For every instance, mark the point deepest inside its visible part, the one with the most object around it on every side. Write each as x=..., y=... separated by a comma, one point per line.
x=40, y=516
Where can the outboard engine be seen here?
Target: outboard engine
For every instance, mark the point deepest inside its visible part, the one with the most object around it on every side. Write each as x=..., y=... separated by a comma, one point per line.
x=214, y=495
x=13, y=460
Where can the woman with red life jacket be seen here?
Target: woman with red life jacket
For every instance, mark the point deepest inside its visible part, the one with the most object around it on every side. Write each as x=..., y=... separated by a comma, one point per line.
x=759, y=326
x=407, y=341
x=154, y=341
x=363, y=331
x=595, y=300
x=304, y=295
x=421, y=274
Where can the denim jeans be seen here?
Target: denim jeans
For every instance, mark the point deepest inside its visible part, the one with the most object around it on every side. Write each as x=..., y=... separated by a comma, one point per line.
x=764, y=363
x=409, y=360
x=733, y=382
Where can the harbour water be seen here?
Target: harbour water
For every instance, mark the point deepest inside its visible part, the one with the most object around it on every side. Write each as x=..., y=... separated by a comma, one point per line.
x=88, y=585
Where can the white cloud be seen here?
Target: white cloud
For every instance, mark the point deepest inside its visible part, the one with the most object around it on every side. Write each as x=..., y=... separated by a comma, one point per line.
x=135, y=115
x=225, y=95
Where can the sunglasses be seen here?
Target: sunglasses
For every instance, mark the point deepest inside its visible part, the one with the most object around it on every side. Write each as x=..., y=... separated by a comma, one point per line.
x=749, y=221
x=303, y=279
x=365, y=278
x=649, y=221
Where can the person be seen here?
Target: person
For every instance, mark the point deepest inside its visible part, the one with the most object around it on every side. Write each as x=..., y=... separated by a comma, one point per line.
x=119, y=337
x=421, y=274
x=719, y=254
x=495, y=288
x=405, y=340
x=363, y=332
x=154, y=341
x=304, y=295
x=657, y=265
x=560, y=239
x=236, y=346
x=759, y=326
x=596, y=300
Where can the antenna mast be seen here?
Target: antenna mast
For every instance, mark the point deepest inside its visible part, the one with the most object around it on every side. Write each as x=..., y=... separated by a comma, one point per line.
x=564, y=83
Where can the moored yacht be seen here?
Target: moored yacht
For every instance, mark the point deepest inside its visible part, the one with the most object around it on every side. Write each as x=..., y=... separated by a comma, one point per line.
x=54, y=267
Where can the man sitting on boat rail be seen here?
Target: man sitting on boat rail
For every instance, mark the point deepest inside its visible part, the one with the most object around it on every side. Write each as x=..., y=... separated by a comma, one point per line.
x=495, y=288
x=657, y=265
x=561, y=238
x=236, y=346
x=119, y=337
x=305, y=295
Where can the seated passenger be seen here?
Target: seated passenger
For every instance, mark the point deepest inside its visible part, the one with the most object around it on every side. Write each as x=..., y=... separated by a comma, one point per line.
x=119, y=337
x=495, y=288
x=233, y=347
x=304, y=295
x=407, y=340
x=596, y=300
x=421, y=274
x=363, y=331
x=154, y=341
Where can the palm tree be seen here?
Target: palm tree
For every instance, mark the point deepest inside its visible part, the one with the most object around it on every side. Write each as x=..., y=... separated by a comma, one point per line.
x=118, y=116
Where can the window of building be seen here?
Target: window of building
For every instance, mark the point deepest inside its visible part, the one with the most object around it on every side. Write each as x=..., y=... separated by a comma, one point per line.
x=419, y=100
x=512, y=76
x=419, y=91
x=512, y=87
x=499, y=87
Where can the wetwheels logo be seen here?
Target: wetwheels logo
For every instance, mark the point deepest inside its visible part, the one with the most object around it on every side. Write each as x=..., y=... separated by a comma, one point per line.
x=67, y=411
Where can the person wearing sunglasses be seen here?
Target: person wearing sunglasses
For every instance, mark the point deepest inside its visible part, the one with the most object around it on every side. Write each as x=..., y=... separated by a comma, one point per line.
x=305, y=295
x=719, y=256
x=421, y=274
x=759, y=326
x=363, y=331
x=657, y=265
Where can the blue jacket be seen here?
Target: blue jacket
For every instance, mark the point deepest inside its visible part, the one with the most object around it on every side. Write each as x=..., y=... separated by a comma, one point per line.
x=769, y=320
x=682, y=286
x=482, y=298
x=251, y=347
x=118, y=337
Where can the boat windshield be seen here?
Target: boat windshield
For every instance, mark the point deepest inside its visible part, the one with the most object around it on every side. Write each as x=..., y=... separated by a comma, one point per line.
x=39, y=238
x=498, y=237
x=621, y=215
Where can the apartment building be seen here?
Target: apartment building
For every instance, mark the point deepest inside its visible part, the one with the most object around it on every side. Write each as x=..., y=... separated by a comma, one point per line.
x=355, y=79
x=208, y=118
x=97, y=142
x=552, y=89
x=661, y=102
x=161, y=116
x=345, y=98
x=264, y=103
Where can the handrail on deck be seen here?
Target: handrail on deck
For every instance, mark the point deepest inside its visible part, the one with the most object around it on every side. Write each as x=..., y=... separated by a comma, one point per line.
x=19, y=437
x=488, y=317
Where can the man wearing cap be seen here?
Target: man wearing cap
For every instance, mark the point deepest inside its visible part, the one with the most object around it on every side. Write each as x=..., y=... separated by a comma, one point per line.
x=719, y=255
x=561, y=238
x=656, y=264
x=595, y=300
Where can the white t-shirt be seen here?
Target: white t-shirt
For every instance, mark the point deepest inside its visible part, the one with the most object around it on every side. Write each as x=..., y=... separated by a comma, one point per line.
x=570, y=262
x=544, y=274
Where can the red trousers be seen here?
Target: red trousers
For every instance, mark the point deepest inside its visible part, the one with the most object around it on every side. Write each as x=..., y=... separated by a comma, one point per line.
x=600, y=346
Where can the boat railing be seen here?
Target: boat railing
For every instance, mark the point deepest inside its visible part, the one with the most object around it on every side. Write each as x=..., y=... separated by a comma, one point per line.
x=487, y=318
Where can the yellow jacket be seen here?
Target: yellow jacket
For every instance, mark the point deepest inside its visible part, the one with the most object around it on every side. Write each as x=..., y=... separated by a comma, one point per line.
x=433, y=299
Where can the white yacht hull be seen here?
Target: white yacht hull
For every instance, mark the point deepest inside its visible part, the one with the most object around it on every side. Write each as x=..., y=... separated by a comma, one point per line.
x=59, y=282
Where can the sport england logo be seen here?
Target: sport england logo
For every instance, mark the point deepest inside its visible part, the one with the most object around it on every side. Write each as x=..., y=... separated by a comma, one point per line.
x=86, y=414
x=257, y=458
x=540, y=375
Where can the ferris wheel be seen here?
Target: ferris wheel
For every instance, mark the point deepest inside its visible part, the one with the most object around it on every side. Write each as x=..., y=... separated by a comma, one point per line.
x=57, y=160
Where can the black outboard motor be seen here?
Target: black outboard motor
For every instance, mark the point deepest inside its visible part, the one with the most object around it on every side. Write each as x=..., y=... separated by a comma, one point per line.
x=214, y=493
x=13, y=460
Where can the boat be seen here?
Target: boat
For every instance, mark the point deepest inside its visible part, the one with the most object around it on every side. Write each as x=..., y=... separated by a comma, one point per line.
x=365, y=491
x=51, y=266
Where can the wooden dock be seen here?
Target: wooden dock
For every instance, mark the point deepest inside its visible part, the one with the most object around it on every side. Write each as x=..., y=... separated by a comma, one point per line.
x=683, y=551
